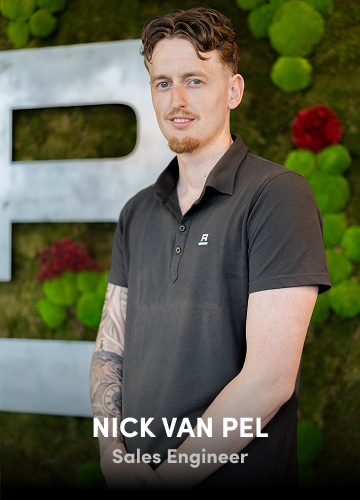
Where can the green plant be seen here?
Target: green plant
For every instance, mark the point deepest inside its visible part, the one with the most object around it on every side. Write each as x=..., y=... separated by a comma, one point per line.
x=63, y=290
x=334, y=159
x=89, y=309
x=350, y=243
x=310, y=441
x=17, y=10
x=339, y=266
x=18, y=33
x=52, y=314
x=291, y=74
x=325, y=7
x=321, y=309
x=331, y=191
x=344, y=298
x=301, y=161
x=334, y=229
x=296, y=29
x=42, y=23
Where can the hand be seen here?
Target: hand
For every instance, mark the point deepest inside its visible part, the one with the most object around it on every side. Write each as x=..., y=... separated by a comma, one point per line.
x=128, y=476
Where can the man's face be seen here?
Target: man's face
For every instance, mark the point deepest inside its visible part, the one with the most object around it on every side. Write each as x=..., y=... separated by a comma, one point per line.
x=190, y=96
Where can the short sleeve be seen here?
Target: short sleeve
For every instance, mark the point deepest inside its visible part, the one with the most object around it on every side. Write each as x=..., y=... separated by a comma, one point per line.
x=117, y=275
x=285, y=237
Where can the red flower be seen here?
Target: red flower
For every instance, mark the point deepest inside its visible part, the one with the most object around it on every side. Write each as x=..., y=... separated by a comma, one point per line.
x=64, y=255
x=316, y=128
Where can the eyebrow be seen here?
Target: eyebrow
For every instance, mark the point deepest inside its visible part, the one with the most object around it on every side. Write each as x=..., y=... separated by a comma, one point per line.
x=184, y=75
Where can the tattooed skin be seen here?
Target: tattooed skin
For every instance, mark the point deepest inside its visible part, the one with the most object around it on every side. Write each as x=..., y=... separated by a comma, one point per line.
x=106, y=372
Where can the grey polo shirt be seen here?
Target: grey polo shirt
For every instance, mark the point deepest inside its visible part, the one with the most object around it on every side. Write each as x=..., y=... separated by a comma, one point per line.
x=256, y=226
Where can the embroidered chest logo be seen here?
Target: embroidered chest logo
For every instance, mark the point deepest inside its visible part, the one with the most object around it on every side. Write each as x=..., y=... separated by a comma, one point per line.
x=203, y=240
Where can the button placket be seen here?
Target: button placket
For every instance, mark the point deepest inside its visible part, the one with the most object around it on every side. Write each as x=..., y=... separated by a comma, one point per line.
x=182, y=231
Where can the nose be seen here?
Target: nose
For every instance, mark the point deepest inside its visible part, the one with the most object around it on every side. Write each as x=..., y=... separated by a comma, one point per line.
x=178, y=97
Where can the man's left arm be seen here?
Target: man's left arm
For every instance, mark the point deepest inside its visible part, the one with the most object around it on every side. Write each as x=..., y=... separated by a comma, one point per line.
x=276, y=326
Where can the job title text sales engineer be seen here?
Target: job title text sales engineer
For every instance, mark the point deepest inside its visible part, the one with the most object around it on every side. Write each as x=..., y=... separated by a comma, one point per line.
x=215, y=270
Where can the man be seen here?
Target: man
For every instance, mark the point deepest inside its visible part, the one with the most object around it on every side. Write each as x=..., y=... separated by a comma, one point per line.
x=215, y=271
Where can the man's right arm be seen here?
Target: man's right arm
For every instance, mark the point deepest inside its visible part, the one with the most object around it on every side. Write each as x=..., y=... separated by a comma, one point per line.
x=107, y=364
x=106, y=377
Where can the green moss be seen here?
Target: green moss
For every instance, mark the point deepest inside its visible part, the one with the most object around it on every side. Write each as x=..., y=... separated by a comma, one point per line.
x=350, y=243
x=344, y=299
x=63, y=290
x=334, y=229
x=331, y=192
x=19, y=10
x=87, y=281
x=310, y=441
x=90, y=476
x=248, y=4
x=339, y=266
x=52, y=5
x=291, y=74
x=325, y=7
x=260, y=19
x=102, y=285
x=301, y=161
x=321, y=309
x=334, y=159
x=53, y=315
x=296, y=29
x=18, y=33
x=89, y=309
x=42, y=23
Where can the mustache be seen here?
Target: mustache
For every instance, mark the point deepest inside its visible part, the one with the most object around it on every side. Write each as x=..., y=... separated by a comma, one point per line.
x=172, y=114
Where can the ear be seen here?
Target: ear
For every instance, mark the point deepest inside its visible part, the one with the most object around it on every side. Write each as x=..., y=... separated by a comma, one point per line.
x=236, y=90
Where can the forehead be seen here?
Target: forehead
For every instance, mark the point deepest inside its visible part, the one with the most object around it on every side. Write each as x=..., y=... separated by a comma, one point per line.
x=178, y=54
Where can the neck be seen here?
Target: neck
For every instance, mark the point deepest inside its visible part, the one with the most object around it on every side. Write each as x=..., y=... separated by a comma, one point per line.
x=195, y=167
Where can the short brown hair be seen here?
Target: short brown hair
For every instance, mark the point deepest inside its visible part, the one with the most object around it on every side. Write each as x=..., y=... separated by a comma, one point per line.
x=205, y=28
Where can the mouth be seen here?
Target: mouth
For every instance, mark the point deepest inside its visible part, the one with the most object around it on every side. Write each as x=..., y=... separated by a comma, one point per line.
x=181, y=122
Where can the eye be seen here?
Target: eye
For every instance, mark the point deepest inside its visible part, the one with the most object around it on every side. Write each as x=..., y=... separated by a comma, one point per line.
x=163, y=85
x=197, y=82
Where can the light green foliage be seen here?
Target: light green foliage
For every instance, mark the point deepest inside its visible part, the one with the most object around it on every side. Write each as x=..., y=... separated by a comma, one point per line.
x=52, y=5
x=90, y=476
x=325, y=7
x=63, y=290
x=334, y=229
x=291, y=74
x=331, y=192
x=301, y=161
x=87, y=281
x=102, y=285
x=339, y=266
x=344, y=298
x=89, y=309
x=351, y=243
x=296, y=29
x=321, y=309
x=42, y=23
x=334, y=159
x=18, y=33
x=19, y=10
x=260, y=19
x=309, y=442
x=53, y=315
x=248, y=4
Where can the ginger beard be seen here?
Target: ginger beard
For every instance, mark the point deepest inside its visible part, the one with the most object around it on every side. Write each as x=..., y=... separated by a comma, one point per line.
x=184, y=145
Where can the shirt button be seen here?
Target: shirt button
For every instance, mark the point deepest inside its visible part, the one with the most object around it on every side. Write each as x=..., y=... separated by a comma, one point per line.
x=178, y=250
x=182, y=228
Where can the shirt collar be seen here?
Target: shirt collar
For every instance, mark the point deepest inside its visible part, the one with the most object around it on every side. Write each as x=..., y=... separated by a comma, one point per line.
x=221, y=177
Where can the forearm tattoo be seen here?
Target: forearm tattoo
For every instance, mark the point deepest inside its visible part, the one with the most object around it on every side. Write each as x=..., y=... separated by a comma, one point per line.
x=106, y=372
